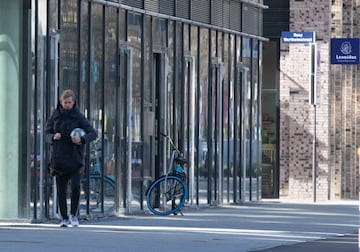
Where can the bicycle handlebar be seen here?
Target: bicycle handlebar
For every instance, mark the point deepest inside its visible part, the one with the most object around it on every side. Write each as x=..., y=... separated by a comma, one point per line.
x=171, y=141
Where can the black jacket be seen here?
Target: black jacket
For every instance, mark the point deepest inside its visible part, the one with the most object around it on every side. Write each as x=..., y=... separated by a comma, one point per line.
x=67, y=157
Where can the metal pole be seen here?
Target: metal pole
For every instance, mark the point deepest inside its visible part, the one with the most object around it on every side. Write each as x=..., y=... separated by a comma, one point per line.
x=314, y=158
x=54, y=56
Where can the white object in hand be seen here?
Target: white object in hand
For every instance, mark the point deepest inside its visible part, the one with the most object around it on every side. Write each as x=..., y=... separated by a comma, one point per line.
x=77, y=132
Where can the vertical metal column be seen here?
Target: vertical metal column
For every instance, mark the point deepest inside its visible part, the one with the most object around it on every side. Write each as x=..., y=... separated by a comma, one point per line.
x=54, y=57
x=219, y=151
x=192, y=92
x=129, y=130
x=245, y=124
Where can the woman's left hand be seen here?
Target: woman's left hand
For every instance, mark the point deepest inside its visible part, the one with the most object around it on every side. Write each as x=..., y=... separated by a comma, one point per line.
x=76, y=140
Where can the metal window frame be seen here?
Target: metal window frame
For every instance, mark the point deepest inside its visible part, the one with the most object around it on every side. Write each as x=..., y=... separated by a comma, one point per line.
x=183, y=20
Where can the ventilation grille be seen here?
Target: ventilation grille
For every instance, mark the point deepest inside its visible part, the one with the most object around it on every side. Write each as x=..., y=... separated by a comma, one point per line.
x=226, y=14
x=183, y=9
x=152, y=5
x=167, y=7
x=133, y=3
x=217, y=12
x=251, y=19
x=200, y=11
x=231, y=14
x=161, y=6
x=235, y=16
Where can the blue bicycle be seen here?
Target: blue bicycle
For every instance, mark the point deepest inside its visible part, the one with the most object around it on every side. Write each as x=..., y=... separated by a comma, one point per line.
x=167, y=194
x=97, y=189
x=93, y=192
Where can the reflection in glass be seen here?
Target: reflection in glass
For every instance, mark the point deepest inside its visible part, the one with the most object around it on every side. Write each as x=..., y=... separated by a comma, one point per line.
x=202, y=171
x=238, y=88
x=159, y=32
x=84, y=61
x=68, y=49
x=96, y=85
x=184, y=107
x=268, y=139
x=170, y=79
x=186, y=37
x=134, y=40
x=148, y=109
x=246, y=119
x=109, y=119
x=178, y=82
x=256, y=134
x=194, y=181
x=227, y=170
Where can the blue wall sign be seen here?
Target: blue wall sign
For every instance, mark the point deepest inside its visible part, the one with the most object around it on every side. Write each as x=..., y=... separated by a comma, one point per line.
x=298, y=37
x=345, y=51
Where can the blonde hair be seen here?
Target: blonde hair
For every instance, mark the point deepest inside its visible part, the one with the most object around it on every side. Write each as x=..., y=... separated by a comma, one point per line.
x=66, y=94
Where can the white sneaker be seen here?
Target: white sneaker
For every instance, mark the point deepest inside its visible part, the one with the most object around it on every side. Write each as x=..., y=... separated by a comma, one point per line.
x=64, y=223
x=74, y=221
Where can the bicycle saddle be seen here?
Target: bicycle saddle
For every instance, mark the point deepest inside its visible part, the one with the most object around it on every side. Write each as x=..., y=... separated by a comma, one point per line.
x=180, y=160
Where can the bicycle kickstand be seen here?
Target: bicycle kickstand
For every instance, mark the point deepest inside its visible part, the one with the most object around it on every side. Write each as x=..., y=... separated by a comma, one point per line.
x=176, y=213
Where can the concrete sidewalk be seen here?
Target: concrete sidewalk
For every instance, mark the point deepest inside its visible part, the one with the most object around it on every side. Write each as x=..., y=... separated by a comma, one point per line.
x=262, y=226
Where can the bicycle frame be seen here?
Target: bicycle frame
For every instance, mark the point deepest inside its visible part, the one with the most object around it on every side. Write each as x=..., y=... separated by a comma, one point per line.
x=174, y=152
x=171, y=168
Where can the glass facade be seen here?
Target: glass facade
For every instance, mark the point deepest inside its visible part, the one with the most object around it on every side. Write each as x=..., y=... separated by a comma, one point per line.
x=136, y=74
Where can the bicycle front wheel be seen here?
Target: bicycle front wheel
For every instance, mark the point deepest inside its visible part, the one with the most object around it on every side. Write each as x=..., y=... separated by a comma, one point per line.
x=166, y=195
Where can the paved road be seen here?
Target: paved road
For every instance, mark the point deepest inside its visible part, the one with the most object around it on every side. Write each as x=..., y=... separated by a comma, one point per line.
x=340, y=243
x=264, y=226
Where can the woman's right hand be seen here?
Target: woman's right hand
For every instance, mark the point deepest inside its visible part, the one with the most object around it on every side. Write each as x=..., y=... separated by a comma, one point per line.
x=57, y=136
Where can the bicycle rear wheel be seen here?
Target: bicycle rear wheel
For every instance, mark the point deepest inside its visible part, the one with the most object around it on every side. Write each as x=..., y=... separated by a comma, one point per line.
x=95, y=196
x=166, y=195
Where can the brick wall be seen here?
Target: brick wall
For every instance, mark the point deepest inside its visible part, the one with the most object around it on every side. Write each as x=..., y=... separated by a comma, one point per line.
x=344, y=107
x=337, y=116
x=297, y=115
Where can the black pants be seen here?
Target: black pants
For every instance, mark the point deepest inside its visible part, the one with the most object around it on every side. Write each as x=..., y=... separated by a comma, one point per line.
x=62, y=182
